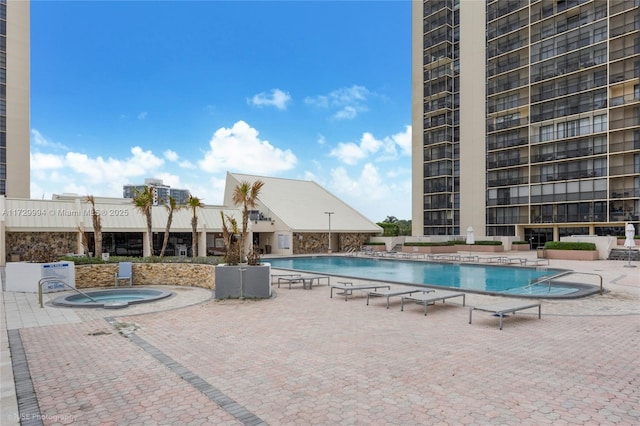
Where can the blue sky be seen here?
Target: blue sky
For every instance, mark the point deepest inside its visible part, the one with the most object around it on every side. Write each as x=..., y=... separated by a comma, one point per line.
x=186, y=91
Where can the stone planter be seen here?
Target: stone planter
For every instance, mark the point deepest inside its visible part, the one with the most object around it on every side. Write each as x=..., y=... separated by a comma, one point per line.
x=572, y=254
x=178, y=274
x=256, y=281
x=479, y=248
x=429, y=249
x=520, y=247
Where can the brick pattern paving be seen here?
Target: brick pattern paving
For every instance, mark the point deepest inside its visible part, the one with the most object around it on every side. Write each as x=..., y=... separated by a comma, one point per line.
x=303, y=358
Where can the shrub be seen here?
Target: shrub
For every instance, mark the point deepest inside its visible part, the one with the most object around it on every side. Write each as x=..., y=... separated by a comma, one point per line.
x=520, y=242
x=566, y=245
x=483, y=243
x=430, y=244
x=374, y=243
x=84, y=260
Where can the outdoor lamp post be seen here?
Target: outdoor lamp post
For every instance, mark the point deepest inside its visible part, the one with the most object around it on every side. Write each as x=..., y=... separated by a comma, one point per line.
x=329, y=214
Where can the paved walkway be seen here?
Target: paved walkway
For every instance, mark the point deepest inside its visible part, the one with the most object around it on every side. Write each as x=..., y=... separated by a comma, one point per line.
x=303, y=358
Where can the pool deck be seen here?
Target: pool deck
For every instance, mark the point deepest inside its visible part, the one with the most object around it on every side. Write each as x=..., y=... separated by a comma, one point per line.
x=304, y=358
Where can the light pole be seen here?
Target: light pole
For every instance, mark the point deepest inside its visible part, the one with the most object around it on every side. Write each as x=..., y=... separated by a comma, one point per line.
x=329, y=214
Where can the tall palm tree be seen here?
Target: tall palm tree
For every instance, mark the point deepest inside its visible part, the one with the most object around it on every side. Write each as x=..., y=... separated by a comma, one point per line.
x=193, y=203
x=229, y=229
x=143, y=202
x=172, y=206
x=246, y=194
x=97, y=227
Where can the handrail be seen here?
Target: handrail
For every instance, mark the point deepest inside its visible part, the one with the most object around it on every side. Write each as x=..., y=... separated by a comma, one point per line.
x=44, y=280
x=561, y=274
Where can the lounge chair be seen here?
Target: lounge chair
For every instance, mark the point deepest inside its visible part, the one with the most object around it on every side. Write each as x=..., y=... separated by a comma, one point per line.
x=348, y=288
x=396, y=292
x=502, y=308
x=432, y=297
x=124, y=273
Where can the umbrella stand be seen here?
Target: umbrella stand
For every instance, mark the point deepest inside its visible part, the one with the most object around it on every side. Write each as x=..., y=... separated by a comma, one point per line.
x=629, y=265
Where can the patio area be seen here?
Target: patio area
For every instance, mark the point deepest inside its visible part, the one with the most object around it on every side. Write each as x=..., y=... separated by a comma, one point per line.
x=304, y=358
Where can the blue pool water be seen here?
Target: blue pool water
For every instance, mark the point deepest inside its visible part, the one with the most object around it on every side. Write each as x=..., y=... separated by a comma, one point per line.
x=472, y=277
x=116, y=298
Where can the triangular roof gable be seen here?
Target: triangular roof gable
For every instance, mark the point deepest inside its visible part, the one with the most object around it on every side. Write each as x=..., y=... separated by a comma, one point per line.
x=301, y=205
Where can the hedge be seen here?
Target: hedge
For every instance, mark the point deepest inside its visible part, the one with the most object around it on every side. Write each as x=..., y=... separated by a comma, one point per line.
x=374, y=243
x=85, y=260
x=488, y=243
x=565, y=245
x=520, y=242
x=427, y=244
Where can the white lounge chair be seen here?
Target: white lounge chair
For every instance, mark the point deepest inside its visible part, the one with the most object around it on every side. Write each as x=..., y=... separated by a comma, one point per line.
x=502, y=308
x=427, y=298
x=348, y=288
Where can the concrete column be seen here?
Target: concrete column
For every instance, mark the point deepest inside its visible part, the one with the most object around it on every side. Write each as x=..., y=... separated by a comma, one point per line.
x=202, y=243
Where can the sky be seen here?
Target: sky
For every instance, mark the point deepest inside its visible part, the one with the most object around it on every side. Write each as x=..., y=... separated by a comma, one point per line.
x=185, y=91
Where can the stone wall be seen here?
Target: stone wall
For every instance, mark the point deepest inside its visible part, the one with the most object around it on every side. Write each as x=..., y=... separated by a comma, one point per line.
x=317, y=242
x=180, y=274
x=27, y=245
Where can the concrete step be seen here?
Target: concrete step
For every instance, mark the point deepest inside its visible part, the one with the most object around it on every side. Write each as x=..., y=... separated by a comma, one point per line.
x=624, y=254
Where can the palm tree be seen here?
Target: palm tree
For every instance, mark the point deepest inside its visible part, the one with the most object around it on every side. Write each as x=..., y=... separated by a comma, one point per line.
x=246, y=194
x=97, y=227
x=193, y=203
x=143, y=202
x=229, y=229
x=172, y=206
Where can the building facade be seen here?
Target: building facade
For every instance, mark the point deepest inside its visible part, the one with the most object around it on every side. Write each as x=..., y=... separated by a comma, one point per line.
x=14, y=98
x=526, y=117
x=161, y=192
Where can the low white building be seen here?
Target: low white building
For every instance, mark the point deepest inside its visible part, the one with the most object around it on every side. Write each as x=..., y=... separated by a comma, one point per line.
x=291, y=218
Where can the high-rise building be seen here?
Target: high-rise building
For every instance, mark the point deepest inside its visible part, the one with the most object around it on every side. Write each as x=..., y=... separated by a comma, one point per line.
x=526, y=117
x=161, y=192
x=14, y=98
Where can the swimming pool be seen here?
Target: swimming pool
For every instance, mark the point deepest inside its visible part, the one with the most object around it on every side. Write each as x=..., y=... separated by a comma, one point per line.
x=504, y=280
x=110, y=299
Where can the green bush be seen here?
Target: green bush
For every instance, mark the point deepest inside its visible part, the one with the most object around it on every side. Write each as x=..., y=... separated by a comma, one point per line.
x=520, y=242
x=374, y=243
x=565, y=245
x=427, y=244
x=482, y=243
x=85, y=260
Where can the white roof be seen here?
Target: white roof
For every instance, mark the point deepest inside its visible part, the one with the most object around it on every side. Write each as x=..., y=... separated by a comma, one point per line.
x=301, y=205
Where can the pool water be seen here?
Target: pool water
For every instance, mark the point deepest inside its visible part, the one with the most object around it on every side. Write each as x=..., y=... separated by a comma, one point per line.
x=472, y=277
x=114, y=298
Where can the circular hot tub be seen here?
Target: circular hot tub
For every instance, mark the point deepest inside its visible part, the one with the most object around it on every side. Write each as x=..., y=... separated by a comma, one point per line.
x=111, y=299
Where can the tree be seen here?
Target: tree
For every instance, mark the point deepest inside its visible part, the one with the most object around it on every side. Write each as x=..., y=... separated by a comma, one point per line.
x=246, y=194
x=193, y=203
x=172, y=206
x=143, y=202
x=229, y=229
x=97, y=227
x=390, y=219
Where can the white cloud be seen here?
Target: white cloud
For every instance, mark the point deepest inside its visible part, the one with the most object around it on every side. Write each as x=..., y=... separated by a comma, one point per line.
x=240, y=149
x=143, y=115
x=351, y=153
x=40, y=141
x=348, y=101
x=372, y=195
x=171, y=155
x=276, y=98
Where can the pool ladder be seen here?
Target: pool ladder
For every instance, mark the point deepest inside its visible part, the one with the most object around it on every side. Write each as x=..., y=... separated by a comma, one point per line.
x=562, y=274
x=45, y=280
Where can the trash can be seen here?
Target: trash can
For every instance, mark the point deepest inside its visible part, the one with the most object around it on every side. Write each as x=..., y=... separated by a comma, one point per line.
x=542, y=253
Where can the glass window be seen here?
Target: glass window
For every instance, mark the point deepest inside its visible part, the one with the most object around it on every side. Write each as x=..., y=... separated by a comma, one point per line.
x=599, y=123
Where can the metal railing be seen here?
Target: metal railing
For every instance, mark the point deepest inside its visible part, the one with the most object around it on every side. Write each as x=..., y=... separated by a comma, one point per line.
x=45, y=280
x=562, y=274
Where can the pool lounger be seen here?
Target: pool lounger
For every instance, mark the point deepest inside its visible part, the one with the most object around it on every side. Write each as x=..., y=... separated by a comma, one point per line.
x=502, y=308
x=426, y=298
x=391, y=293
x=299, y=279
x=348, y=288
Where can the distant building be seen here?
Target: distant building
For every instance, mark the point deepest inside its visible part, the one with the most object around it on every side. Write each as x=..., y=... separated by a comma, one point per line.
x=161, y=192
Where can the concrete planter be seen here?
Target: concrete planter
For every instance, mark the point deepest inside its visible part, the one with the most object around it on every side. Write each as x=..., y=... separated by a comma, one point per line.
x=429, y=249
x=256, y=281
x=375, y=247
x=572, y=254
x=520, y=247
x=479, y=248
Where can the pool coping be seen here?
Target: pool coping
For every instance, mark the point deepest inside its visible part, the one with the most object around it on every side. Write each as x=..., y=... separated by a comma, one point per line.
x=64, y=300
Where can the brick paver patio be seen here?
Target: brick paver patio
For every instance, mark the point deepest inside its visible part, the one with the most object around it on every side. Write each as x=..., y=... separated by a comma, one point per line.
x=303, y=358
